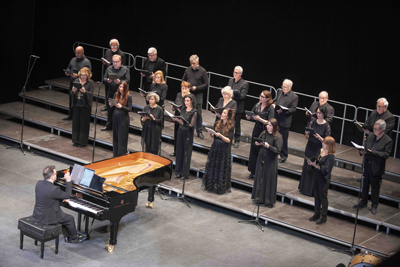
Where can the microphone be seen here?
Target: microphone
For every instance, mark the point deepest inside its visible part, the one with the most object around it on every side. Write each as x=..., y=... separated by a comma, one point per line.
x=35, y=56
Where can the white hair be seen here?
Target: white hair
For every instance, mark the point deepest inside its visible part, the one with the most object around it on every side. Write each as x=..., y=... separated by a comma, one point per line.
x=384, y=101
x=239, y=68
x=152, y=50
x=194, y=58
x=289, y=82
x=381, y=123
x=324, y=93
x=114, y=40
x=227, y=89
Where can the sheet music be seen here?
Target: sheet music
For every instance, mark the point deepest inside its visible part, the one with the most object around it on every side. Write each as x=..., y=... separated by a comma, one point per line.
x=210, y=131
x=357, y=146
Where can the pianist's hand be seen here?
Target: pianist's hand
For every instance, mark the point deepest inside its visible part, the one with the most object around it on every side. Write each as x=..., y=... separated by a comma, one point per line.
x=67, y=177
x=66, y=200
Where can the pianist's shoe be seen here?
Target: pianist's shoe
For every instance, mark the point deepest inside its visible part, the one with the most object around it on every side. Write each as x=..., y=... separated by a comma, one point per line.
x=78, y=238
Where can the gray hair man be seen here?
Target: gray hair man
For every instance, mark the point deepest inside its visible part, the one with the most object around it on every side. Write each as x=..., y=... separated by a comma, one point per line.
x=240, y=89
x=322, y=103
x=381, y=112
x=197, y=77
x=152, y=64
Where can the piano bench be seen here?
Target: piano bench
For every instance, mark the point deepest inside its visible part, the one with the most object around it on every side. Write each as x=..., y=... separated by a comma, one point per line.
x=39, y=232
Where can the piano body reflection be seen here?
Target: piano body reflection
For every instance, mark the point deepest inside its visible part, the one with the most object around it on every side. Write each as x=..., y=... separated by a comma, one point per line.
x=125, y=177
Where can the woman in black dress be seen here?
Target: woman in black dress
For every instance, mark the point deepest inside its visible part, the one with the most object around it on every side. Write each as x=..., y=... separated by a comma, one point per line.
x=151, y=133
x=225, y=102
x=266, y=177
x=217, y=176
x=322, y=129
x=121, y=119
x=322, y=179
x=159, y=87
x=185, y=90
x=263, y=110
x=185, y=137
x=82, y=107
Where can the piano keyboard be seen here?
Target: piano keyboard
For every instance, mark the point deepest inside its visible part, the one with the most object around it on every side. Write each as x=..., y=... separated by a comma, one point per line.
x=85, y=205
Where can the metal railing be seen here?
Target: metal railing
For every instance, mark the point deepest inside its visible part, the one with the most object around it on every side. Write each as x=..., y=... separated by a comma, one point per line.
x=345, y=107
x=130, y=58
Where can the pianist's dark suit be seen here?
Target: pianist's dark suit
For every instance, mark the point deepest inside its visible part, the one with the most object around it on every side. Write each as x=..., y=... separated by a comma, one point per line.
x=374, y=166
x=47, y=207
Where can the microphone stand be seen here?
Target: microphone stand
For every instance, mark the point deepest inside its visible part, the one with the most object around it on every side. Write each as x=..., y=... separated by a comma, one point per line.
x=23, y=93
x=352, y=249
x=95, y=120
x=186, y=174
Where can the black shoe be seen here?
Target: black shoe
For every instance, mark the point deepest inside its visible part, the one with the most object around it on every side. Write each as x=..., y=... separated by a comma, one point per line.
x=66, y=239
x=374, y=210
x=107, y=128
x=321, y=221
x=282, y=160
x=67, y=118
x=78, y=238
x=314, y=218
x=236, y=145
x=173, y=154
x=360, y=206
x=200, y=135
x=178, y=175
x=104, y=108
x=76, y=144
x=251, y=176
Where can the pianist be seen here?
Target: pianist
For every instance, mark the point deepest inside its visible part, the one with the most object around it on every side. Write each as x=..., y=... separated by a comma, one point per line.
x=47, y=207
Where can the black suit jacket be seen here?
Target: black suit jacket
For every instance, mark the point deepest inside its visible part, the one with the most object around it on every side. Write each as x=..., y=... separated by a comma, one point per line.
x=48, y=198
x=379, y=153
x=240, y=90
x=330, y=111
x=159, y=64
x=387, y=116
x=290, y=101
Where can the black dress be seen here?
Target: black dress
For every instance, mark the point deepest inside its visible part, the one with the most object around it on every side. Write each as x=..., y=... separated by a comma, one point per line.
x=266, y=114
x=322, y=178
x=178, y=101
x=161, y=90
x=151, y=133
x=185, y=132
x=268, y=175
x=313, y=148
x=231, y=104
x=82, y=109
x=121, y=123
x=217, y=176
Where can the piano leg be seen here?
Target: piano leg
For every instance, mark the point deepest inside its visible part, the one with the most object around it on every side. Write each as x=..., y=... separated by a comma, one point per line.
x=114, y=225
x=78, y=223
x=152, y=190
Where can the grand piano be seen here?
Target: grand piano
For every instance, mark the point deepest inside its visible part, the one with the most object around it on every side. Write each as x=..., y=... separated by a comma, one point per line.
x=124, y=177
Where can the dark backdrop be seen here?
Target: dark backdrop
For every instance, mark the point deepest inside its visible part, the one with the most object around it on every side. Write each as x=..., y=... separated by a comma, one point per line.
x=349, y=49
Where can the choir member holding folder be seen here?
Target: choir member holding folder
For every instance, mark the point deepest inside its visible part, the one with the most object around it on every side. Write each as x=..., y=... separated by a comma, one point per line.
x=261, y=113
x=266, y=176
x=176, y=107
x=121, y=105
x=322, y=169
x=152, y=117
x=316, y=132
x=224, y=102
x=159, y=87
x=82, y=96
x=217, y=176
x=185, y=136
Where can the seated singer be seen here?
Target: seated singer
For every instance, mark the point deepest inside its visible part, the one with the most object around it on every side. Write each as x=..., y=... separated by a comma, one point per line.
x=47, y=207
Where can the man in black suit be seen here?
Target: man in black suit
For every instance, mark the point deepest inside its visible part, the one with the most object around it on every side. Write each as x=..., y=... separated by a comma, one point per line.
x=378, y=147
x=152, y=64
x=381, y=112
x=47, y=207
x=240, y=89
x=288, y=99
x=322, y=103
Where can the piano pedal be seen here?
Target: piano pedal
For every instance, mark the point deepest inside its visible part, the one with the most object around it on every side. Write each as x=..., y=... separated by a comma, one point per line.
x=150, y=205
x=110, y=248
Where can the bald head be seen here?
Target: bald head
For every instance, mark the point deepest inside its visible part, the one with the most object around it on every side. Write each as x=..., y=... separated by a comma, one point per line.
x=79, y=52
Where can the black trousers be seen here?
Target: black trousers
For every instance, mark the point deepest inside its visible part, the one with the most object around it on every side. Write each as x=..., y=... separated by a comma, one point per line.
x=120, y=132
x=321, y=186
x=199, y=121
x=285, y=136
x=68, y=223
x=182, y=146
x=238, y=117
x=374, y=181
x=106, y=95
x=80, y=125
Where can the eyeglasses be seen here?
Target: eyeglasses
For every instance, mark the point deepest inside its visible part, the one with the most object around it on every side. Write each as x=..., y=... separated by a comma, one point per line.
x=116, y=61
x=262, y=96
x=235, y=72
x=225, y=94
x=380, y=106
x=114, y=46
x=376, y=128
